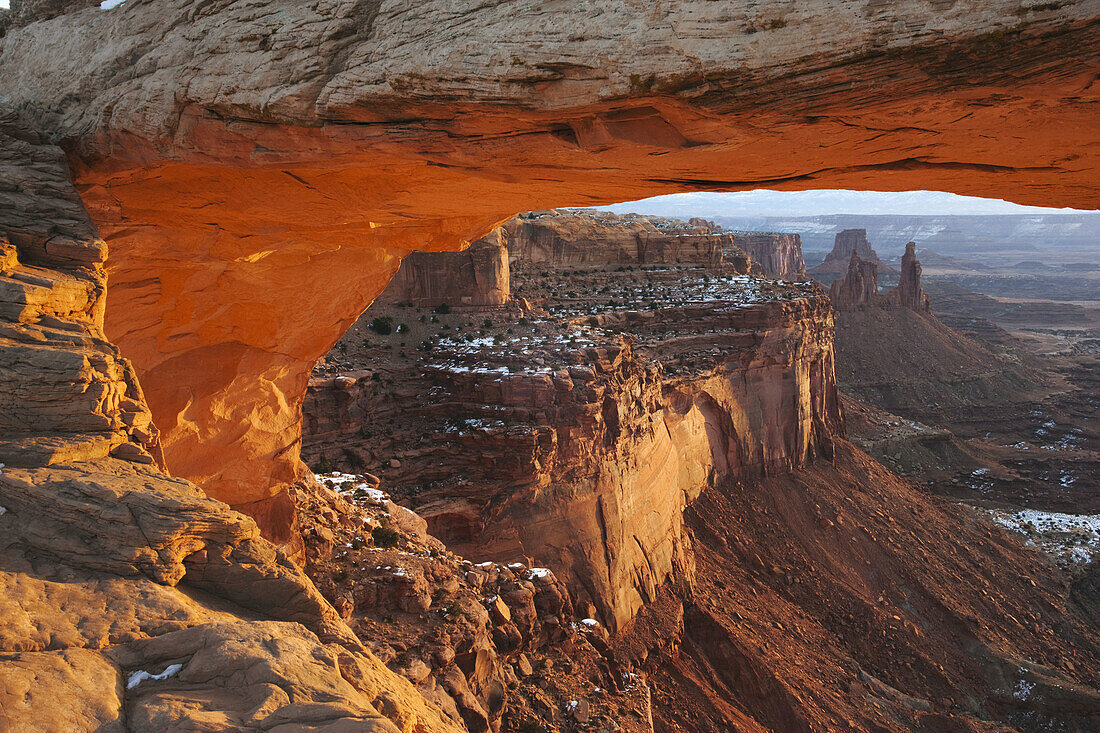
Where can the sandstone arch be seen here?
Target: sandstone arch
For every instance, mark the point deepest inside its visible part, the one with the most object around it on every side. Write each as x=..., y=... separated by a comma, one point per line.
x=259, y=173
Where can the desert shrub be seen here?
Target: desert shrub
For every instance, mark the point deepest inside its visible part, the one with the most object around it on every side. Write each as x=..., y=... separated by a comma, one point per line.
x=382, y=325
x=385, y=536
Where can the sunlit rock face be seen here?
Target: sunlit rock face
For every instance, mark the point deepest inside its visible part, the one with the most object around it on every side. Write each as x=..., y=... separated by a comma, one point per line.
x=107, y=565
x=259, y=172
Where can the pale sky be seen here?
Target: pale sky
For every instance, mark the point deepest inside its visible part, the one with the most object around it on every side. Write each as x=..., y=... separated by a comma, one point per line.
x=823, y=202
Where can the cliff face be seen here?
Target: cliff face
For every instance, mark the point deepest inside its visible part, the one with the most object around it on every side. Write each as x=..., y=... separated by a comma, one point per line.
x=587, y=453
x=601, y=238
x=353, y=136
x=844, y=574
x=477, y=276
x=239, y=157
x=66, y=393
x=780, y=255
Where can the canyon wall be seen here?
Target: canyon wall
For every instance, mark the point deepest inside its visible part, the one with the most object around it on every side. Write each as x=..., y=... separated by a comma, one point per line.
x=476, y=276
x=239, y=162
x=780, y=255
x=601, y=238
x=589, y=460
x=111, y=569
x=66, y=393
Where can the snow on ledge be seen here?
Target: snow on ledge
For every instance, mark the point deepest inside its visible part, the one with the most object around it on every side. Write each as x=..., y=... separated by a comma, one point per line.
x=136, y=678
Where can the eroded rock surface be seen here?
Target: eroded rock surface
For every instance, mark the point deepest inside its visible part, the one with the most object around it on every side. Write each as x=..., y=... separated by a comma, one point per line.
x=236, y=159
x=859, y=286
x=131, y=600
x=66, y=393
x=579, y=429
x=848, y=243
x=477, y=276
x=558, y=239
x=779, y=255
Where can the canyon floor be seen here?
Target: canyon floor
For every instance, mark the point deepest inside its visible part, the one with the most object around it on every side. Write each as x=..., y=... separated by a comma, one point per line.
x=1012, y=382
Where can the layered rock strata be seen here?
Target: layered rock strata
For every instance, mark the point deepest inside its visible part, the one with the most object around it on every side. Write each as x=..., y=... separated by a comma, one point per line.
x=477, y=276
x=357, y=133
x=130, y=600
x=66, y=393
x=556, y=239
x=779, y=255
x=560, y=438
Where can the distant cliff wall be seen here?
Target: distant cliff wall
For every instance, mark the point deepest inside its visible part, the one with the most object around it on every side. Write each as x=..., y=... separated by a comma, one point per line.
x=476, y=276
x=779, y=255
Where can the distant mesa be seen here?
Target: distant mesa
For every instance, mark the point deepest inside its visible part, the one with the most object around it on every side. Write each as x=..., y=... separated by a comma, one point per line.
x=479, y=275
x=848, y=242
x=590, y=237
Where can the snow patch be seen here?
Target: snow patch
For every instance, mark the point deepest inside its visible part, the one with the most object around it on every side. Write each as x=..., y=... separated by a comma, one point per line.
x=136, y=678
x=1072, y=539
x=108, y=4
x=1023, y=689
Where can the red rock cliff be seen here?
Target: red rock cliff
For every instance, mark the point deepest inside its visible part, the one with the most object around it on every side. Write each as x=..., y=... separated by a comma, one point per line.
x=780, y=255
x=477, y=276
x=237, y=161
x=588, y=453
x=601, y=238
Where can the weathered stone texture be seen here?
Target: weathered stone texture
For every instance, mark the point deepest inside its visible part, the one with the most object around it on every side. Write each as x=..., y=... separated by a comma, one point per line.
x=779, y=255
x=477, y=276
x=237, y=157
